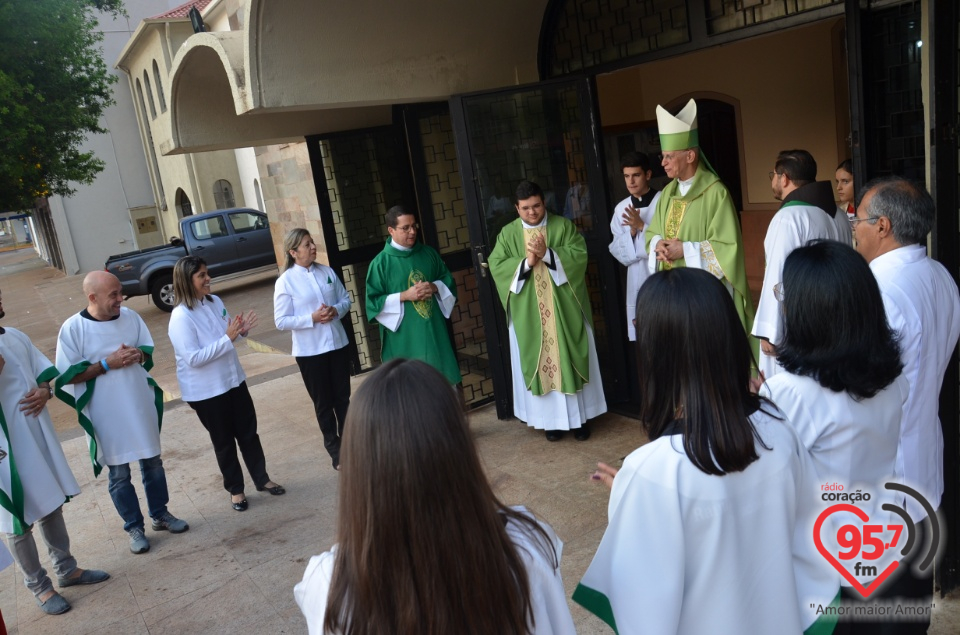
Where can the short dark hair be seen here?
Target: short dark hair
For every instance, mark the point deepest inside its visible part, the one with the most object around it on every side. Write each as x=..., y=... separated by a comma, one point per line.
x=394, y=213
x=799, y=165
x=835, y=327
x=846, y=165
x=694, y=364
x=528, y=189
x=907, y=204
x=635, y=160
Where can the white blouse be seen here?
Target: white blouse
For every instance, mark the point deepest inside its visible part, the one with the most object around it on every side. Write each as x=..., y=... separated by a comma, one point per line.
x=299, y=292
x=207, y=362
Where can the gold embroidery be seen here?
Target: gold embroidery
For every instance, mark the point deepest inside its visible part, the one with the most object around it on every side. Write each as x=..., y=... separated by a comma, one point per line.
x=548, y=367
x=423, y=307
x=678, y=208
x=710, y=259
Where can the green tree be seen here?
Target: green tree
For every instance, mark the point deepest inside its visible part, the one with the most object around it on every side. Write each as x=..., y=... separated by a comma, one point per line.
x=54, y=88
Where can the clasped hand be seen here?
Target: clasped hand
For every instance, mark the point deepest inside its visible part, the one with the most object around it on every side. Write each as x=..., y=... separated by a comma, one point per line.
x=419, y=291
x=536, y=250
x=669, y=250
x=241, y=324
x=325, y=314
x=34, y=401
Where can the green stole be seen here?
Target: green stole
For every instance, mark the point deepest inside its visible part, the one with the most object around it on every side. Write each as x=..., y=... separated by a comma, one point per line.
x=549, y=320
x=706, y=213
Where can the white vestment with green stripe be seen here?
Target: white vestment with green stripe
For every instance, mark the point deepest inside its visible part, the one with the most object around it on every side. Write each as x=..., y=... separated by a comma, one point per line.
x=121, y=410
x=35, y=478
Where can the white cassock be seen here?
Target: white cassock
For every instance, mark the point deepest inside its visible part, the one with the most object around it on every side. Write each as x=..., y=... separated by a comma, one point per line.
x=124, y=409
x=792, y=226
x=687, y=552
x=44, y=477
x=631, y=252
x=554, y=410
x=852, y=443
x=547, y=598
x=923, y=306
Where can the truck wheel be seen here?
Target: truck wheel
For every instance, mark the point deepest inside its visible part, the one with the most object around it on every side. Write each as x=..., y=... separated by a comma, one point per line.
x=162, y=292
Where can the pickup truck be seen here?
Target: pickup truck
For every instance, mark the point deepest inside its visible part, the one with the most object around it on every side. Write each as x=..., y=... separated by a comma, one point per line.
x=229, y=240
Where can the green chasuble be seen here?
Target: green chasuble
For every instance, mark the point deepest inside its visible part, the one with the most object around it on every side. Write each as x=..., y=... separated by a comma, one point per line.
x=706, y=215
x=423, y=332
x=549, y=320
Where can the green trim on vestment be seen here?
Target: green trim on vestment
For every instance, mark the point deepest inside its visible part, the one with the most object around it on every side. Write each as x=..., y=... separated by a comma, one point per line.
x=571, y=303
x=79, y=405
x=48, y=375
x=15, y=506
x=671, y=141
x=827, y=622
x=598, y=604
x=794, y=203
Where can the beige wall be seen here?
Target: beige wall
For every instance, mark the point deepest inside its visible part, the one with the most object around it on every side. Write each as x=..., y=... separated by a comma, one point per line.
x=784, y=83
x=289, y=194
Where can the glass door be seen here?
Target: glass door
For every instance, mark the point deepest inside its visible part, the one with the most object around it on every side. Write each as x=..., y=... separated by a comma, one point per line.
x=547, y=133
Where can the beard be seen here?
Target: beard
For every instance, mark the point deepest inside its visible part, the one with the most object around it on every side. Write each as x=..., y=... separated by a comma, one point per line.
x=2, y=314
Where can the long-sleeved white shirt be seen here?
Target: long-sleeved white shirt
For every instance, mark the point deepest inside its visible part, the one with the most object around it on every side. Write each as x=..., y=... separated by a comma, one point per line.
x=298, y=293
x=207, y=362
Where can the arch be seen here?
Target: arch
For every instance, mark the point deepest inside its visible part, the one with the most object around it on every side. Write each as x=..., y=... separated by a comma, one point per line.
x=184, y=207
x=259, y=193
x=159, y=82
x=223, y=194
x=153, y=108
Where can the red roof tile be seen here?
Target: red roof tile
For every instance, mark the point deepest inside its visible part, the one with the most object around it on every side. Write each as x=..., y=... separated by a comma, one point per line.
x=183, y=10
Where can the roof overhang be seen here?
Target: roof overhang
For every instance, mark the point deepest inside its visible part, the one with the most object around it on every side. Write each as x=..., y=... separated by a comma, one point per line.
x=302, y=67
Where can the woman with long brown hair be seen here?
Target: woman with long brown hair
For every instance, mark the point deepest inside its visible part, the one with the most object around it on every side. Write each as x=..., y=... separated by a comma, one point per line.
x=425, y=547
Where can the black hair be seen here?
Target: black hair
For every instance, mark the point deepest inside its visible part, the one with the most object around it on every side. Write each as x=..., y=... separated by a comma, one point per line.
x=694, y=364
x=835, y=327
x=635, y=160
x=846, y=165
x=799, y=165
x=528, y=189
x=394, y=213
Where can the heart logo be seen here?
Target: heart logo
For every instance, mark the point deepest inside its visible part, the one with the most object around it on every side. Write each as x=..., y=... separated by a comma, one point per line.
x=862, y=515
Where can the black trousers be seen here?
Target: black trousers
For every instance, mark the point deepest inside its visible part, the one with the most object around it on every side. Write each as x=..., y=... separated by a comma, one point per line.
x=232, y=421
x=327, y=379
x=906, y=587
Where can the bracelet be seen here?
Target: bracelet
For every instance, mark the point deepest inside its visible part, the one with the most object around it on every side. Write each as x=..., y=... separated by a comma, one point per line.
x=103, y=362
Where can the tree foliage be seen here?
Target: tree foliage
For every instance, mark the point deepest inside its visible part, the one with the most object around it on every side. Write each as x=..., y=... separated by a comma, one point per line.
x=54, y=88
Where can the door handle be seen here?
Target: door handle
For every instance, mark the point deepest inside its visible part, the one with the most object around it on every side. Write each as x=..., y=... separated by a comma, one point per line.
x=199, y=248
x=484, y=267
x=241, y=240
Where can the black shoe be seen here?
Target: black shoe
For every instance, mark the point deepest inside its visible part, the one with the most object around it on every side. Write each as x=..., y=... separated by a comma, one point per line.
x=241, y=506
x=582, y=433
x=554, y=435
x=276, y=490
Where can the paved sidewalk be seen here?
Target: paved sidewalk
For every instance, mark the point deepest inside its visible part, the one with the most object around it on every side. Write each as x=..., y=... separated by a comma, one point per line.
x=234, y=572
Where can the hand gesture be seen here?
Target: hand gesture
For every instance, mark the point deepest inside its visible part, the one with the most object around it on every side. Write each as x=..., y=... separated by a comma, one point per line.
x=604, y=473
x=247, y=322
x=536, y=249
x=123, y=357
x=325, y=314
x=669, y=250
x=631, y=219
x=33, y=402
x=419, y=291
x=234, y=327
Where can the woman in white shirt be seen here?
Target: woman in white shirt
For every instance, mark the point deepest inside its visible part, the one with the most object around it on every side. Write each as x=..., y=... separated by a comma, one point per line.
x=211, y=379
x=425, y=547
x=310, y=301
x=708, y=523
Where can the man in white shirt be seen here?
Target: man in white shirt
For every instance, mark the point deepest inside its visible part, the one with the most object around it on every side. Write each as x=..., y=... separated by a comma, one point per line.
x=628, y=228
x=108, y=347
x=923, y=306
x=806, y=214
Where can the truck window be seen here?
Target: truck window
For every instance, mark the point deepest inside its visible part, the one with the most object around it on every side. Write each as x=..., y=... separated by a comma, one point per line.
x=246, y=221
x=208, y=228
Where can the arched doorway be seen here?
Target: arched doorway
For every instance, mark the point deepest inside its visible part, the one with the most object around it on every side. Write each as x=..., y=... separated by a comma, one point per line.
x=184, y=207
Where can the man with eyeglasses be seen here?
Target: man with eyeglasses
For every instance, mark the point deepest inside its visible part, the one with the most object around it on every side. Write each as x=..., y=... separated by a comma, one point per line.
x=696, y=224
x=923, y=306
x=410, y=294
x=806, y=213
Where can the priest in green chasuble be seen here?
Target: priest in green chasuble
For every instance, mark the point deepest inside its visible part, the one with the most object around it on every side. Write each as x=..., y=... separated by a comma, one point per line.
x=696, y=223
x=539, y=265
x=410, y=294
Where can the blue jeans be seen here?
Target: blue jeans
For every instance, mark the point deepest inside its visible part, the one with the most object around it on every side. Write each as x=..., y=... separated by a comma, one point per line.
x=125, y=496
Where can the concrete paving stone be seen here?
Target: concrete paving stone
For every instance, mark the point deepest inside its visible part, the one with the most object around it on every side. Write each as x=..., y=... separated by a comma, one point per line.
x=107, y=607
x=276, y=579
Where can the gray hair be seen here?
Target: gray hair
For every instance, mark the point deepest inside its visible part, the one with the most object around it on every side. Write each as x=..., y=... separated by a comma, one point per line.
x=908, y=205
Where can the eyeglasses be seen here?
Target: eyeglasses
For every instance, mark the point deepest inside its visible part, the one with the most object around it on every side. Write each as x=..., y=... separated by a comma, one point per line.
x=778, y=291
x=770, y=175
x=408, y=228
x=670, y=156
x=855, y=220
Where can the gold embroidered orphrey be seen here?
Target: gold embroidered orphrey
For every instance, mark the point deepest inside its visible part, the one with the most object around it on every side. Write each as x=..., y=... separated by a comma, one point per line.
x=678, y=208
x=423, y=307
x=547, y=367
